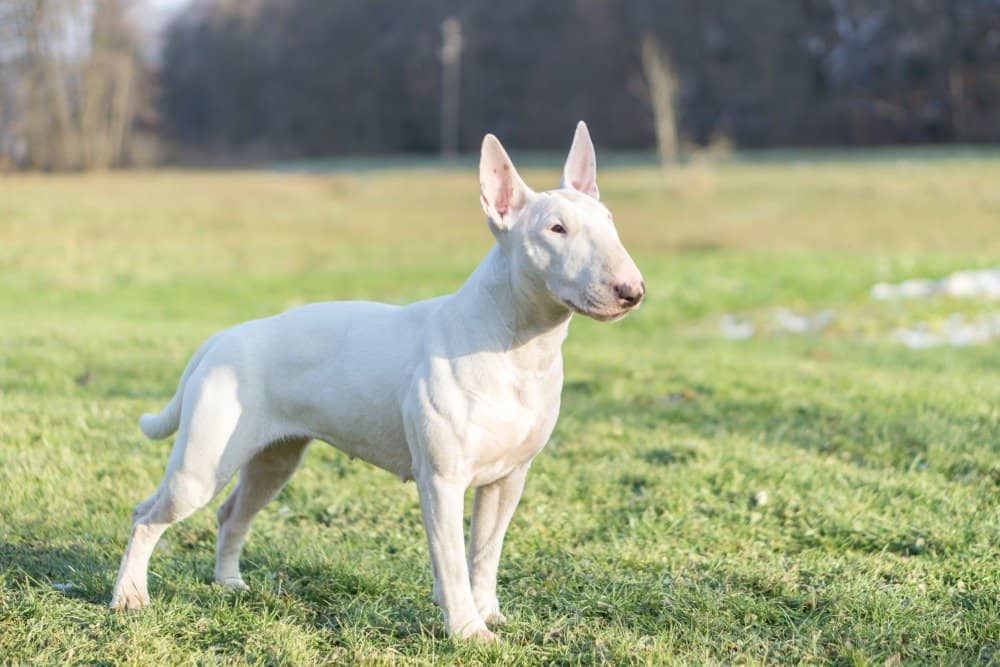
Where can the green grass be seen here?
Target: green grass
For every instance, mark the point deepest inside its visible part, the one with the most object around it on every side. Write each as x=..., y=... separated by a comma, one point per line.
x=638, y=540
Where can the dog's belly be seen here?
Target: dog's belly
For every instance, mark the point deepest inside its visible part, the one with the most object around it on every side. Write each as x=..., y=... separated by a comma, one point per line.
x=365, y=426
x=393, y=457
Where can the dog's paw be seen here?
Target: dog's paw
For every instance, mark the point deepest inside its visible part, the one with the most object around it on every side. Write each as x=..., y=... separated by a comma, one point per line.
x=235, y=584
x=474, y=630
x=130, y=601
x=490, y=612
x=480, y=635
x=495, y=618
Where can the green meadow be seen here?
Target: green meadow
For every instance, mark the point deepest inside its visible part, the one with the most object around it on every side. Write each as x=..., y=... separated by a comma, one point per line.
x=832, y=497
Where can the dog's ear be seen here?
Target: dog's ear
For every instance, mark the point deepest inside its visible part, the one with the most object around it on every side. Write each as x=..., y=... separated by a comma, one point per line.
x=501, y=190
x=580, y=172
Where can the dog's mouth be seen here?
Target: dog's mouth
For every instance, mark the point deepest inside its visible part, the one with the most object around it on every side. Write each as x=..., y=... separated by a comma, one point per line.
x=595, y=314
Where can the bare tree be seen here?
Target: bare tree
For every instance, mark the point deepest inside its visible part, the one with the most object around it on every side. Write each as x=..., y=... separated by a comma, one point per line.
x=956, y=75
x=9, y=90
x=661, y=83
x=107, y=97
x=317, y=77
x=451, y=58
x=72, y=70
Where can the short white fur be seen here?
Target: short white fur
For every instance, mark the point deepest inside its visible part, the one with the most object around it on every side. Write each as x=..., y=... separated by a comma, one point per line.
x=454, y=392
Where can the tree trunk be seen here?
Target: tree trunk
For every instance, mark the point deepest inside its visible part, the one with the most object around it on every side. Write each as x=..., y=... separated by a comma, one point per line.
x=661, y=83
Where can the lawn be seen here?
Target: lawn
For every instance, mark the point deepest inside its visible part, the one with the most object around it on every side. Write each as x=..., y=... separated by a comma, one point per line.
x=830, y=497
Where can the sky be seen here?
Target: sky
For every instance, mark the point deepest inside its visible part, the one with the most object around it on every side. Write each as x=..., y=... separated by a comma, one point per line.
x=153, y=20
x=168, y=5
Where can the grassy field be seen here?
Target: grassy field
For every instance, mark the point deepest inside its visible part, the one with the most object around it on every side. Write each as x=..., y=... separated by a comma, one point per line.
x=824, y=498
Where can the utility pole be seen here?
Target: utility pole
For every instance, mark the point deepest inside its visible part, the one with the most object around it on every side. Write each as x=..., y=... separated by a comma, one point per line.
x=451, y=59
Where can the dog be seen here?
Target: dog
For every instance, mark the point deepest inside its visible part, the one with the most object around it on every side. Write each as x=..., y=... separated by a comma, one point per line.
x=453, y=392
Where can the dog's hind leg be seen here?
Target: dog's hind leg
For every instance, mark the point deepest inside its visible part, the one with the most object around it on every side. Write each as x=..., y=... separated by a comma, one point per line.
x=178, y=499
x=260, y=480
x=213, y=442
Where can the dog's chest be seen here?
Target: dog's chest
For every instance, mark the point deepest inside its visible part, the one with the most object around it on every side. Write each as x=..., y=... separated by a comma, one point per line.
x=508, y=425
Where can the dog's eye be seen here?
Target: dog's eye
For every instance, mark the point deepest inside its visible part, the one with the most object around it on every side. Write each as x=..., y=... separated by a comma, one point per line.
x=557, y=229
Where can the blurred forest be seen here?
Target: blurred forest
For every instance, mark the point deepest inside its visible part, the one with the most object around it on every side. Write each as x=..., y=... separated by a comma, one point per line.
x=297, y=78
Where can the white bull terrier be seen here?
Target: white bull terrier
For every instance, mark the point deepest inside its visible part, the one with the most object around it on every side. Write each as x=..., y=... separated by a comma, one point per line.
x=454, y=392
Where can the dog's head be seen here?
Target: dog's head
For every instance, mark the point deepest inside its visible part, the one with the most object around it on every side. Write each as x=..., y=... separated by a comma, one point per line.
x=562, y=244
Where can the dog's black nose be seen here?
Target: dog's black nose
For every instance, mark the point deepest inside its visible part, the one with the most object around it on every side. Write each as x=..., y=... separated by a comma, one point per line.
x=630, y=294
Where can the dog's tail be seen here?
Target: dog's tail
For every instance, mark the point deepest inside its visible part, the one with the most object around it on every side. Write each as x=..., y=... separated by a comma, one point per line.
x=159, y=426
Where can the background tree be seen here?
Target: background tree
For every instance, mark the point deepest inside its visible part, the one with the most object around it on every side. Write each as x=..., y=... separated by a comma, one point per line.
x=304, y=77
x=661, y=82
x=71, y=81
x=298, y=78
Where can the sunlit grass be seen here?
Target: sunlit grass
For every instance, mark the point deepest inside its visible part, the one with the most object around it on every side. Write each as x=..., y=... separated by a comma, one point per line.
x=639, y=539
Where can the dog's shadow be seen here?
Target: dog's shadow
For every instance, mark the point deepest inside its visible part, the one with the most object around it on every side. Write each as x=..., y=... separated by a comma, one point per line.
x=340, y=597
x=75, y=570
x=337, y=596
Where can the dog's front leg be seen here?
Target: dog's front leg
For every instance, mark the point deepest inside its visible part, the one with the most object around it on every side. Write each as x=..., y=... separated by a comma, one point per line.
x=491, y=514
x=441, y=500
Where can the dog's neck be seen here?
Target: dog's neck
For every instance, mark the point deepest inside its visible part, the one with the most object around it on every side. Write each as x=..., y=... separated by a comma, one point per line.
x=516, y=317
